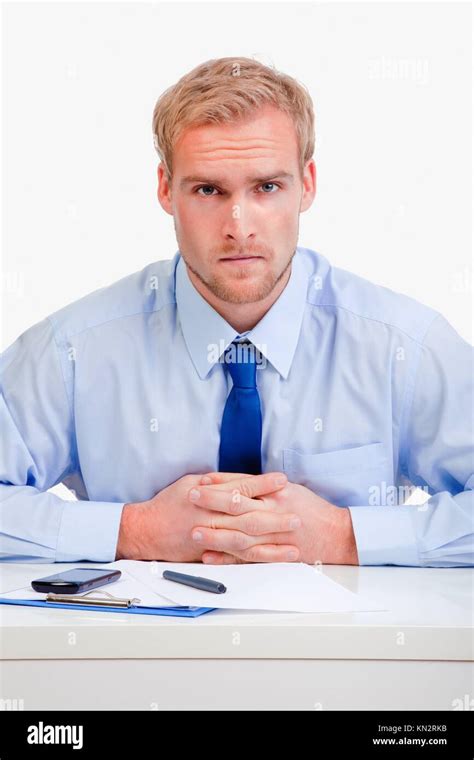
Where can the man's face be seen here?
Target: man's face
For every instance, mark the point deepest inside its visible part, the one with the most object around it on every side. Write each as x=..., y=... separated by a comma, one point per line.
x=236, y=194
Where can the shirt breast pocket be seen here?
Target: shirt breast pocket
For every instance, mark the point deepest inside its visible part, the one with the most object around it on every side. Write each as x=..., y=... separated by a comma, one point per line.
x=345, y=477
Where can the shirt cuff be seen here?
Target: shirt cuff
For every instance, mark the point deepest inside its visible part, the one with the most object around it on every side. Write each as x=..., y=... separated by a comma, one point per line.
x=89, y=531
x=385, y=535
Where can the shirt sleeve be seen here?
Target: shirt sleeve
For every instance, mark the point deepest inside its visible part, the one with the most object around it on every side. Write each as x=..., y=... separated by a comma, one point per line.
x=436, y=454
x=37, y=451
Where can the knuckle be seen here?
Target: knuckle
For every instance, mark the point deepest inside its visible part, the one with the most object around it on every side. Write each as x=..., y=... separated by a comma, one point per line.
x=246, y=489
x=252, y=554
x=235, y=502
x=212, y=521
x=252, y=526
x=281, y=495
x=238, y=541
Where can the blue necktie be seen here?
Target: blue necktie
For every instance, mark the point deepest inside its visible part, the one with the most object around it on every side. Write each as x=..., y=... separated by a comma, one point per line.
x=241, y=429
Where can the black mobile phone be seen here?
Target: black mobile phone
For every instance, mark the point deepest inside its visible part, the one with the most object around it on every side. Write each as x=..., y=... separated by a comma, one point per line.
x=76, y=580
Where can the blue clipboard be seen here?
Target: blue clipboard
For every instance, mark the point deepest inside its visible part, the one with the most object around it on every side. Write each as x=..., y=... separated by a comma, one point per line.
x=177, y=611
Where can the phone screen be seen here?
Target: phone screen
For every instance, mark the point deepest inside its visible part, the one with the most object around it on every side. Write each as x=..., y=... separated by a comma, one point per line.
x=77, y=575
x=75, y=580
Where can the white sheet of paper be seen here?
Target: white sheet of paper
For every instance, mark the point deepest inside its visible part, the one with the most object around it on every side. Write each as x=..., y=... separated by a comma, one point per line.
x=279, y=586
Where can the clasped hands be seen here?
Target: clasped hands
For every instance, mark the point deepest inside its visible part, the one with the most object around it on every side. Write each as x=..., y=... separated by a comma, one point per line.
x=266, y=518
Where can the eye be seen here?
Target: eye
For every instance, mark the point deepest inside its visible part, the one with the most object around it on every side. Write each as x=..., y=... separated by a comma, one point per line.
x=269, y=185
x=205, y=187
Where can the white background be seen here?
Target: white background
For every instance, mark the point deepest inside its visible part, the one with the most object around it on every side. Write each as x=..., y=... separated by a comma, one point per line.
x=391, y=85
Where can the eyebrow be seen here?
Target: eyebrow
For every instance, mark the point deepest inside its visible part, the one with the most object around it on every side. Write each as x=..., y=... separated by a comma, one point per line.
x=250, y=180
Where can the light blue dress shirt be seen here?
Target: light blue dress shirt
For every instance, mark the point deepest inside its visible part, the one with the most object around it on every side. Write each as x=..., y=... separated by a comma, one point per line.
x=365, y=393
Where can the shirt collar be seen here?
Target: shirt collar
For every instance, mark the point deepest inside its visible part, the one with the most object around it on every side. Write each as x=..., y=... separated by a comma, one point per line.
x=207, y=334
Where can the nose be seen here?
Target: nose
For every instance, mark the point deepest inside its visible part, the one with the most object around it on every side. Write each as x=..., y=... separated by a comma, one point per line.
x=238, y=226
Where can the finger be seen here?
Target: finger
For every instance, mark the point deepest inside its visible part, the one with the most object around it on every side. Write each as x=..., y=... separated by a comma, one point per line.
x=221, y=558
x=262, y=553
x=238, y=543
x=256, y=522
x=221, y=477
x=249, y=486
x=230, y=502
x=255, y=485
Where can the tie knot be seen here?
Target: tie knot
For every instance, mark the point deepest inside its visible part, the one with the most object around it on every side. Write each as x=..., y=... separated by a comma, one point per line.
x=241, y=360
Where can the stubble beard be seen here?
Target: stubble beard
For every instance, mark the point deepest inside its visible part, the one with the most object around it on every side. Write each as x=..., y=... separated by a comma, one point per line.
x=222, y=288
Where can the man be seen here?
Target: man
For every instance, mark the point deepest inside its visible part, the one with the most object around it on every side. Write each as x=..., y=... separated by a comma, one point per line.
x=245, y=401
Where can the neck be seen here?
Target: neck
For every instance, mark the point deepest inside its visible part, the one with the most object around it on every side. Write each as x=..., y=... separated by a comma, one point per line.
x=240, y=316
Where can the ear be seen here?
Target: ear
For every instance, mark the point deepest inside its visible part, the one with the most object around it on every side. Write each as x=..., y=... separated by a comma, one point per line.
x=309, y=185
x=164, y=189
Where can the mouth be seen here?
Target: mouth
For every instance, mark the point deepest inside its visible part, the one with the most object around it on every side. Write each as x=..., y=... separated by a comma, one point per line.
x=241, y=259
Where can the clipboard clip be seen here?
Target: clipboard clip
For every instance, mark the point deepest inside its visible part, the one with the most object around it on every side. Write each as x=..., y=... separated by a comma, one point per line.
x=112, y=601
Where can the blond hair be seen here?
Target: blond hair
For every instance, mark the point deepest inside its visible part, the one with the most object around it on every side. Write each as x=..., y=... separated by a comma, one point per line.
x=224, y=90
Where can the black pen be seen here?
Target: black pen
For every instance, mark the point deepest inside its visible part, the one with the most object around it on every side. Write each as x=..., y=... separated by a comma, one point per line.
x=204, y=584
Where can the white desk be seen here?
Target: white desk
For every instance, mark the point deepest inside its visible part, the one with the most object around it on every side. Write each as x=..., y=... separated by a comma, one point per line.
x=417, y=656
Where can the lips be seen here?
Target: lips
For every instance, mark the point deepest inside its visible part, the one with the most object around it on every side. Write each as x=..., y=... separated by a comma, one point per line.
x=241, y=258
